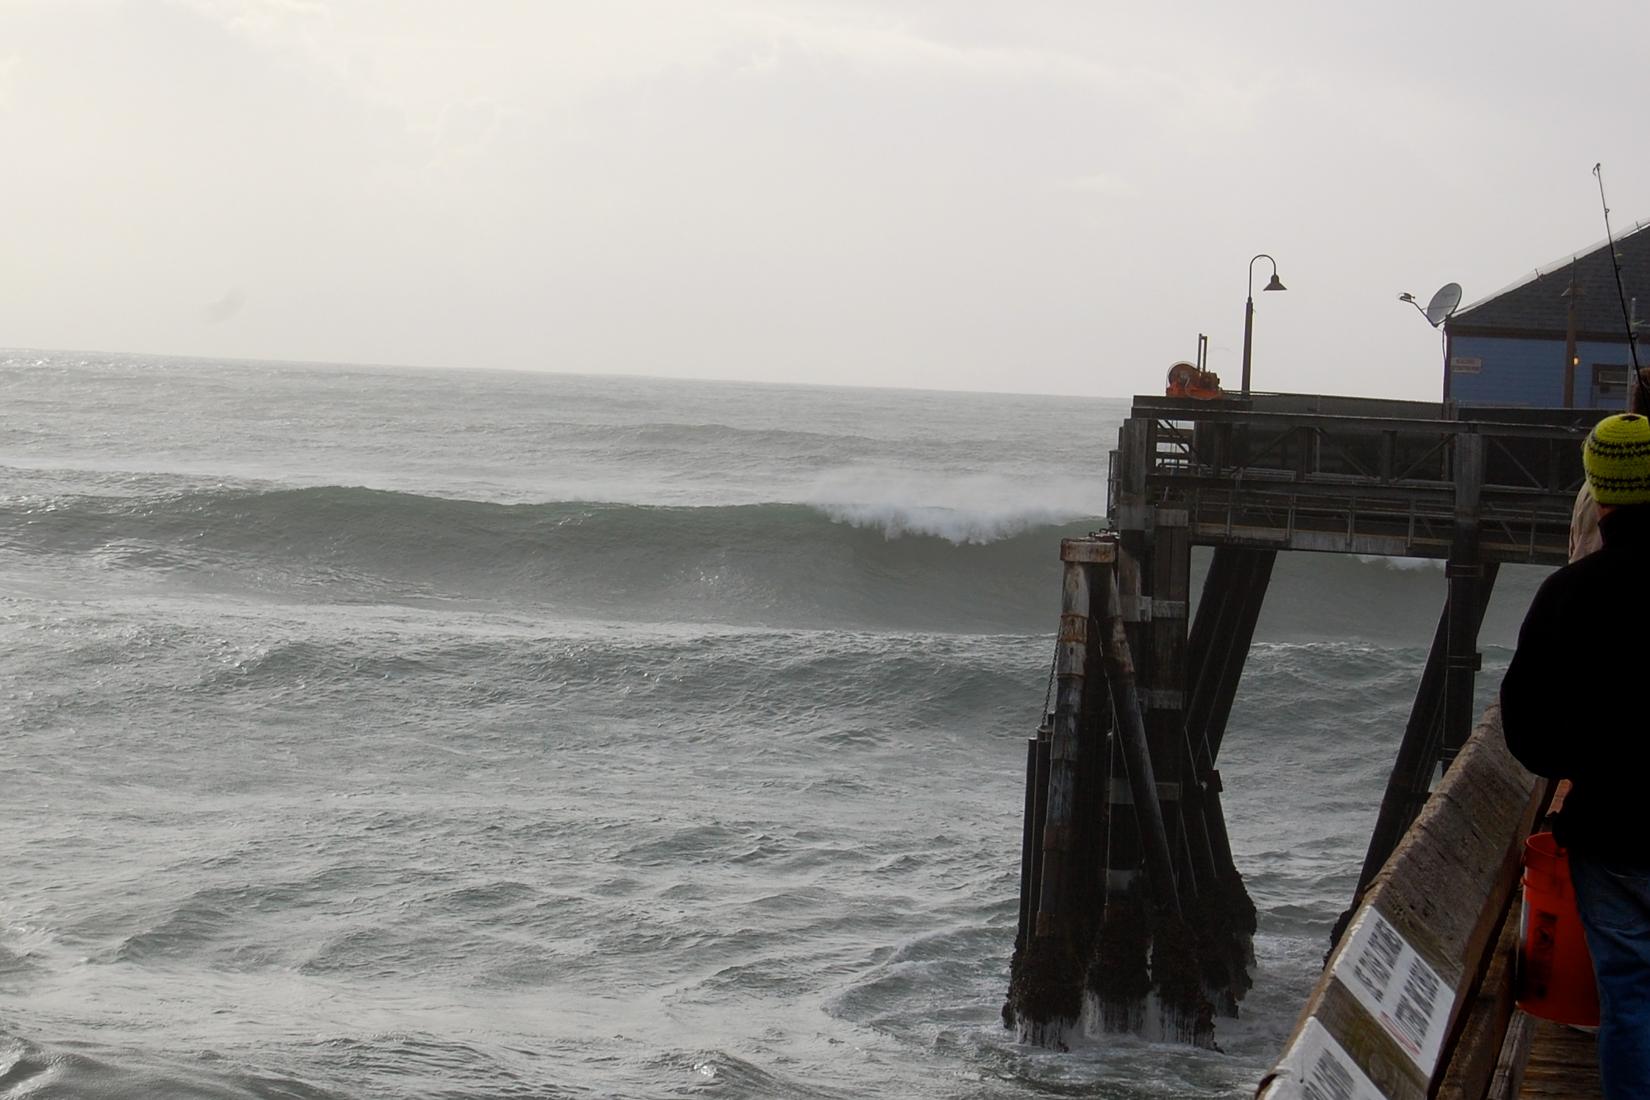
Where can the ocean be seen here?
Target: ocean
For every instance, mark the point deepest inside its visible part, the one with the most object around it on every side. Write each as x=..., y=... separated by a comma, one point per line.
x=376, y=732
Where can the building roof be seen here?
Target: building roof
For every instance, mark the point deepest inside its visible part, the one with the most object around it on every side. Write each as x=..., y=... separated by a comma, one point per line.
x=1538, y=306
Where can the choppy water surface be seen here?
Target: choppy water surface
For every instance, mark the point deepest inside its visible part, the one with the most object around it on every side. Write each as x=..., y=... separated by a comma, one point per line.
x=409, y=733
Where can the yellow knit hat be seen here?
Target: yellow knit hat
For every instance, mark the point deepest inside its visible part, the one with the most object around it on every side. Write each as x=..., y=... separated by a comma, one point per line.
x=1616, y=457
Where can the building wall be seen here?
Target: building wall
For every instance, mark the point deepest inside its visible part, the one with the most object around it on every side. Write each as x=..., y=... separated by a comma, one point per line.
x=1499, y=370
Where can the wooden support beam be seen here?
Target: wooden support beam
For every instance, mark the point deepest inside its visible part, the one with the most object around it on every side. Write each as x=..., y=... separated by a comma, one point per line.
x=1031, y=839
x=1066, y=769
x=1466, y=575
x=1233, y=592
x=1465, y=572
x=1177, y=971
x=1137, y=761
x=1059, y=820
x=1410, y=783
x=1223, y=915
x=1210, y=976
x=1163, y=679
x=1119, y=974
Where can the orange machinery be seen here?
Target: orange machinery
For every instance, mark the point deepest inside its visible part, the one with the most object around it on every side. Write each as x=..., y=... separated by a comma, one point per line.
x=1190, y=380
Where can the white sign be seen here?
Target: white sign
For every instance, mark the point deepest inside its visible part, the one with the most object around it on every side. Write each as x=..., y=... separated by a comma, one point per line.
x=1397, y=987
x=1316, y=1067
x=1466, y=364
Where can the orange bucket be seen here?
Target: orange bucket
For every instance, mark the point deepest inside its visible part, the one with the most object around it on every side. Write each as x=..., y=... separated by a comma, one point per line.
x=1555, y=972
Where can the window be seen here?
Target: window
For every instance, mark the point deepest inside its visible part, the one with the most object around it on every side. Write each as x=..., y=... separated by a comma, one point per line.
x=1609, y=379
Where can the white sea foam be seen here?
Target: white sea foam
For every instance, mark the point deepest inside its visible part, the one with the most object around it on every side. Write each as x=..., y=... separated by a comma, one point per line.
x=1402, y=565
x=975, y=508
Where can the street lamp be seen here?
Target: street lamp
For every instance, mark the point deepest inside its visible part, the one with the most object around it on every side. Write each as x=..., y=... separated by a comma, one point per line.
x=1249, y=311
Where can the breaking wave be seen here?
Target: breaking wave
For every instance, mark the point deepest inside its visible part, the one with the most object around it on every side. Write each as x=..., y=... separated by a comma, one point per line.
x=773, y=564
x=875, y=562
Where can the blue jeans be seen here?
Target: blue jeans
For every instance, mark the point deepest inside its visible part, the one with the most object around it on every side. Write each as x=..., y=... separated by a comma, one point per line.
x=1615, y=913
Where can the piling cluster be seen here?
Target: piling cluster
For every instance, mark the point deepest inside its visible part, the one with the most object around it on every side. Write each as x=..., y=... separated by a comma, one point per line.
x=1133, y=917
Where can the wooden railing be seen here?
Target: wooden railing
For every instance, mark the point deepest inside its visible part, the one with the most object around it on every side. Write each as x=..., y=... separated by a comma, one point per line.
x=1352, y=475
x=1404, y=1009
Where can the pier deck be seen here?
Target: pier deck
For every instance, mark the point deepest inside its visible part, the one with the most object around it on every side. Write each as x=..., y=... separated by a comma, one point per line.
x=1562, y=1064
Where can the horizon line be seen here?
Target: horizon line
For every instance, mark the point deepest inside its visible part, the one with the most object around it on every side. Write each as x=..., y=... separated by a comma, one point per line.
x=275, y=361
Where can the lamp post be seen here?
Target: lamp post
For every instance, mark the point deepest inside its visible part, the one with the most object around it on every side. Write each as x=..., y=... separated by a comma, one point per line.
x=1249, y=311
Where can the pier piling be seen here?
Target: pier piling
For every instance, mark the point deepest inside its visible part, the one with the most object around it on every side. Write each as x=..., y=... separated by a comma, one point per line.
x=1133, y=914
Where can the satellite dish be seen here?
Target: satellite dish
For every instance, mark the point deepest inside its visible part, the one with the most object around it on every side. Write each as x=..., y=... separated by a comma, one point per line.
x=1443, y=304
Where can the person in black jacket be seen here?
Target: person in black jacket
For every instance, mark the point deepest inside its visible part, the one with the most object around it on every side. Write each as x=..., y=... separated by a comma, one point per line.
x=1573, y=707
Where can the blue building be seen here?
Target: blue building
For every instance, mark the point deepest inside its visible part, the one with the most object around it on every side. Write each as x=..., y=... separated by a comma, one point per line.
x=1556, y=340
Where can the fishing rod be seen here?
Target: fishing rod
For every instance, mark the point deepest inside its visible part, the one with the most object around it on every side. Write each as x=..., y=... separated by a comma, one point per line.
x=1621, y=296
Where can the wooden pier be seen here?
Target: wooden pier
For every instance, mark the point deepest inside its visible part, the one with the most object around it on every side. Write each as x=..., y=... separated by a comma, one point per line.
x=1133, y=914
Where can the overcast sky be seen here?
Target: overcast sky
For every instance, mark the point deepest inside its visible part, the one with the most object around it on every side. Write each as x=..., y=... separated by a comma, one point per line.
x=961, y=194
